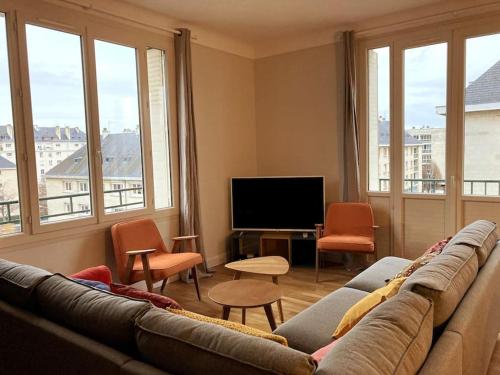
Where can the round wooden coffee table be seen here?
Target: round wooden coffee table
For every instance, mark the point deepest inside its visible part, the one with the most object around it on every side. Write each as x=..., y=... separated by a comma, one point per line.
x=273, y=266
x=246, y=294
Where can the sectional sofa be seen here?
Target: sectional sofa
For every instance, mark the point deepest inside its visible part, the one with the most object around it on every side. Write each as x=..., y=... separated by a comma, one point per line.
x=445, y=320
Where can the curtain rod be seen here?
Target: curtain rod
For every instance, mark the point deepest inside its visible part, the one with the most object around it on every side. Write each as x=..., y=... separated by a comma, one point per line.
x=91, y=7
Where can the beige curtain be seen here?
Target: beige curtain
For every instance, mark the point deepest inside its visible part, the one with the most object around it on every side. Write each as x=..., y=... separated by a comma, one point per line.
x=350, y=158
x=190, y=220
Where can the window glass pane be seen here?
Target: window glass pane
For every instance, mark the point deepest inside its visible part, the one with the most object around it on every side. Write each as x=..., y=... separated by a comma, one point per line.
x=121, y=152
x=59, y=122
x=482, y=116
x=159, y=127
x=379, y=126
x=10, y=218
x=425, y=70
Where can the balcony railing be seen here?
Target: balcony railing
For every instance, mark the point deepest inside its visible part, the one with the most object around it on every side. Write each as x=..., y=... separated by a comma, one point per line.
x=8, y=207
x=471, y=187
x=419, y=185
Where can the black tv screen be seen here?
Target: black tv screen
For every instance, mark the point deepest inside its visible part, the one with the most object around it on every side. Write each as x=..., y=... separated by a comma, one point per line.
x=277, y=203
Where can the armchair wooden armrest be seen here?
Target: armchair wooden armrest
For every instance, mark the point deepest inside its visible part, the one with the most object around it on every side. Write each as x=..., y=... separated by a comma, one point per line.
x=140, y=252
x=190, y=242
x=183, y=238
x=145, y=265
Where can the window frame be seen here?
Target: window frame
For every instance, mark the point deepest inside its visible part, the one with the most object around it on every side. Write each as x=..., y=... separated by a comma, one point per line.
x=488, y=27
x=89, y=27
x=33, y=18
x=18, y=126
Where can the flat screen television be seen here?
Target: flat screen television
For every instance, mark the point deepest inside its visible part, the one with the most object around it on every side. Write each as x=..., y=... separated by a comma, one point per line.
x=277, y=203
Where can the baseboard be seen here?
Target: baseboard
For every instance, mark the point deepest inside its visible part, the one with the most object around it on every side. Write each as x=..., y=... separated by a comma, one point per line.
x=217, y=259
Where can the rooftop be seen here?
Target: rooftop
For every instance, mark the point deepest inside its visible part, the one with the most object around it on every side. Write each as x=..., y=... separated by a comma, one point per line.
x=6, y=164
x=384, y=135
x=47, y=133
x=486, y=88
x=121, y=155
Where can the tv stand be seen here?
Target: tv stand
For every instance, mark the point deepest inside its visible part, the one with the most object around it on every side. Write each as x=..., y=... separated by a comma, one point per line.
x=276, y=244
x=296, y=247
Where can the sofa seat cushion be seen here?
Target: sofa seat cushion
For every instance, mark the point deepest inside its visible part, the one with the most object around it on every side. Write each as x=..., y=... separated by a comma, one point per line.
x=394, y=338
x=377, y=274
x=445, y=280
x=100, y=315
x=18, y=281
x=312, y=328
x=348, y=243
x=182, y=345
x=481, y=235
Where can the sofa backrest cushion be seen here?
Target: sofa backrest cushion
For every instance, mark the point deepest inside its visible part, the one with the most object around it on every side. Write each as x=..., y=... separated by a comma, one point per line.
x=18, y=281
x=196, y=347
x=481, y=235
x=100, y=315
x=394, y=338
x=445, y=280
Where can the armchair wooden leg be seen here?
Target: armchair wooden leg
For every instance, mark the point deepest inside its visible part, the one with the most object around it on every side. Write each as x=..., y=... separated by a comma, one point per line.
x=163, y=285
x=147, y=272
x=130, y=266
x=317, y=264
x=195, y=279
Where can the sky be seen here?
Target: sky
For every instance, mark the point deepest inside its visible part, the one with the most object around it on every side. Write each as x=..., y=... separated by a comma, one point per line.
x=425, y=77
x=56, y=81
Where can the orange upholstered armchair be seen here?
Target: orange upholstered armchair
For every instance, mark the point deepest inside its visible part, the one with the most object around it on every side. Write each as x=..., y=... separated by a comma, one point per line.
x=141, y=254
x=349, y=227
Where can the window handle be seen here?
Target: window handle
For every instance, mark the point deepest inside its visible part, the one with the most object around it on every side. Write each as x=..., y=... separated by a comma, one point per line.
x=98, y=156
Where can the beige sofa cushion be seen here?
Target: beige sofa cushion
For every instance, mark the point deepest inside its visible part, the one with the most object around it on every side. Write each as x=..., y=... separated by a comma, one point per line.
x=182, y=345
x=481, y=235
x=445, y=280
x=394, y=338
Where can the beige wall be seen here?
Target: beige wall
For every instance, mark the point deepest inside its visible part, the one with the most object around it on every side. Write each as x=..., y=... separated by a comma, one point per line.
x=296, y=111
x=224, y=99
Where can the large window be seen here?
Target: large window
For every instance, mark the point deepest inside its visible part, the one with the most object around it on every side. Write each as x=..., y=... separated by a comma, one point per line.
x=379, y=122
x=10, y=217
x=424, y=136
x=482, y=116
x=59, y=122
x=121, y=151
x=82, y=96
x=159, y=127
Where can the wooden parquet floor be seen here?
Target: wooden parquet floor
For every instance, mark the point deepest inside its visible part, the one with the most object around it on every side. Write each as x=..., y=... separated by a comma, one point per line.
x=299, y=292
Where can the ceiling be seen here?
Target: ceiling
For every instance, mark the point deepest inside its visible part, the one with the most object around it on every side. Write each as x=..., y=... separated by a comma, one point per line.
x=257, y=20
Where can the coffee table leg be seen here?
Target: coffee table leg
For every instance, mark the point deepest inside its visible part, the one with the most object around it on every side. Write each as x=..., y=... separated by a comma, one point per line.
x=270, y=317
x=280, y=306
x=243, y=316
x=237, y=275
x=225, y=312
